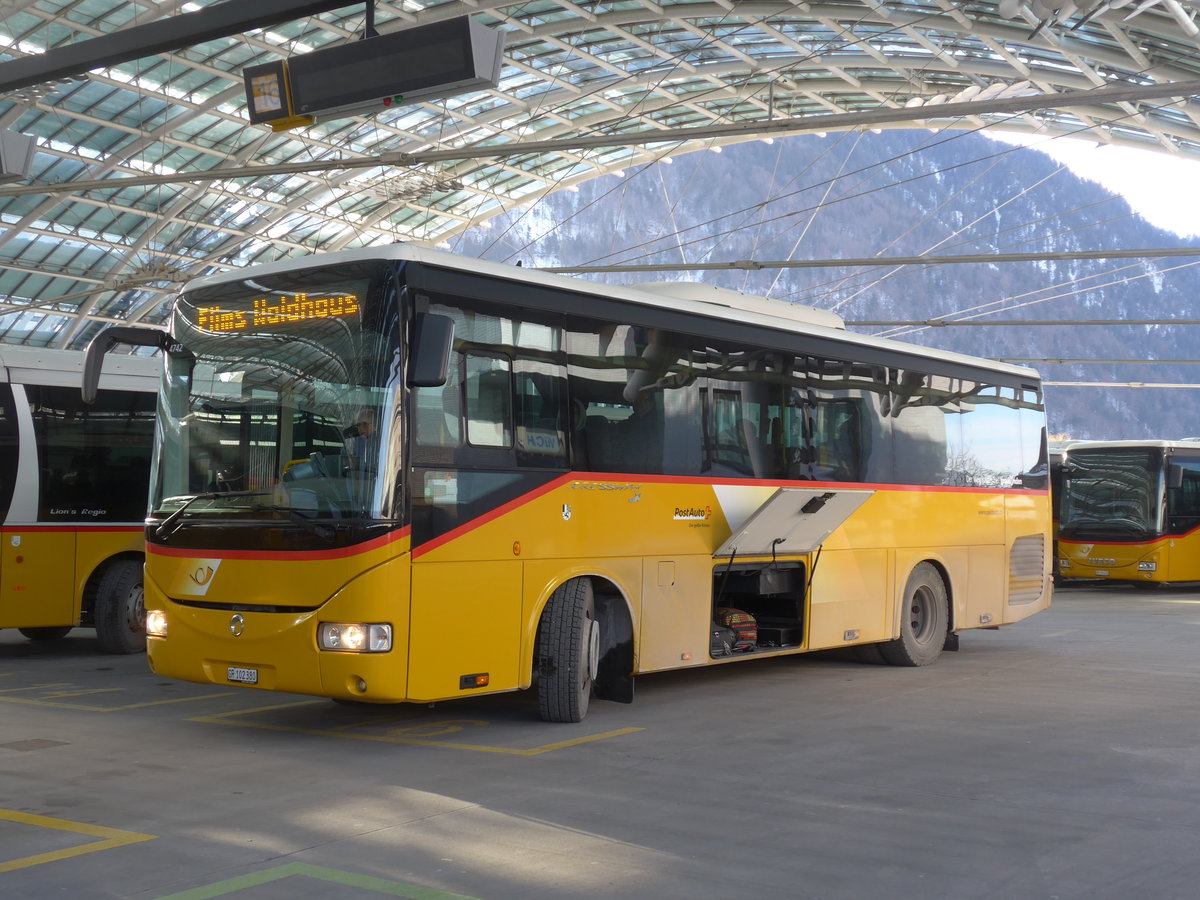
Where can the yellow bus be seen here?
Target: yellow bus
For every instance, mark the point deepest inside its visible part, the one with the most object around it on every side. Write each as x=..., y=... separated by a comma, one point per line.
x=73, y=485
x=1130, y=511
x=1056, y=451
x=396, y=474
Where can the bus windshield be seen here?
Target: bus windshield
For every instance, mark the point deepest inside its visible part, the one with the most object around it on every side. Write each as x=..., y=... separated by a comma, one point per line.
x=285, y=410
x=1112, y=493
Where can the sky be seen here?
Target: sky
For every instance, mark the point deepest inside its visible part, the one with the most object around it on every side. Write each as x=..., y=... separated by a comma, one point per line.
x=1163, y=189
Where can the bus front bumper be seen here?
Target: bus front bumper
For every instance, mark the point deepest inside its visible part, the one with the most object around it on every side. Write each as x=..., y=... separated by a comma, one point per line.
x=281, y=651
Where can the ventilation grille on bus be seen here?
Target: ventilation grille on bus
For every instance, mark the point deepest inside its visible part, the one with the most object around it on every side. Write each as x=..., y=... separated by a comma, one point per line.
x=1026, y=567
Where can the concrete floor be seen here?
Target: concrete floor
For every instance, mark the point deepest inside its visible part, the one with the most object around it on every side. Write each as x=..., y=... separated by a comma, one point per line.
x=1057, y=758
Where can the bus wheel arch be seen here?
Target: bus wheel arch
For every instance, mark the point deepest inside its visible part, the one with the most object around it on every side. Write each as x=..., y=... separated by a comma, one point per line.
x=614, y=675
x=116, y=592
x=584, y=648
x=925, y=617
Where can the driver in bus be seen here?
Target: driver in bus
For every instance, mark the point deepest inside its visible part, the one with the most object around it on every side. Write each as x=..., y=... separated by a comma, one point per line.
x=360, y=437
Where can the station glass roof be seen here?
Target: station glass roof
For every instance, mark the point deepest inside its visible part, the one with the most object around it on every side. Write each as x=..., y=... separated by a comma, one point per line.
x=147, y=173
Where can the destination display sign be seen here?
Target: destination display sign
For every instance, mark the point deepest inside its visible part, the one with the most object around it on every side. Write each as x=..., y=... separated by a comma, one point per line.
x=276, y=312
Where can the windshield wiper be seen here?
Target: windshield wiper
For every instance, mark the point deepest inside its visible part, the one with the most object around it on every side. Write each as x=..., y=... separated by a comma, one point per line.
x=297, y=514
x=167, y=527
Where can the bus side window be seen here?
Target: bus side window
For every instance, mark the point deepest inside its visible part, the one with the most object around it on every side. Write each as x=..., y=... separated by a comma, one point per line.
x=94, y=457
x=837, y=436
x=489, y=401
x=541, y=414
x=1183, y=502
x=437, y=420
x=851, y=432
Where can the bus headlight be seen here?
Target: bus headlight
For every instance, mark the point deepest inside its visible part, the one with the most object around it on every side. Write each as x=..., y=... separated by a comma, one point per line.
x=156, y=623
x=356, y=637
x=1147, y=567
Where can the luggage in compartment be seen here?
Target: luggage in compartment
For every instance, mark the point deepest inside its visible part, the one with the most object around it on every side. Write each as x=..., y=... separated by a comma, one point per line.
x=744, y=628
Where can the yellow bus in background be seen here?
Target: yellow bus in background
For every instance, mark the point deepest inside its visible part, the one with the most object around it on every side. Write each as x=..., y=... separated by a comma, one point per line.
x=395, y=474
x=1056, y=452
x=73, y=484
x=1130, y=511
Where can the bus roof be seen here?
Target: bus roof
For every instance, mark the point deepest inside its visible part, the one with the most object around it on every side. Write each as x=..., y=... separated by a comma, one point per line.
x=64, y=368
x=762, y=311
x=1184, y=444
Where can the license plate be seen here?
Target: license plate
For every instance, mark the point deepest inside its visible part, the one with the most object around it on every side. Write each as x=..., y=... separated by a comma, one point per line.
x=243, y=675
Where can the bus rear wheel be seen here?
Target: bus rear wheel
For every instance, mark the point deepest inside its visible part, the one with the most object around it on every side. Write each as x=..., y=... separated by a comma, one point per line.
x=120, y=614
x=924, y=618
x=47, y=633
x=568, y=652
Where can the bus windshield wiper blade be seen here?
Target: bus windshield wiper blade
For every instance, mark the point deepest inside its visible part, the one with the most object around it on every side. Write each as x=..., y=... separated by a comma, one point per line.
x=167, y=527
x=297, y=514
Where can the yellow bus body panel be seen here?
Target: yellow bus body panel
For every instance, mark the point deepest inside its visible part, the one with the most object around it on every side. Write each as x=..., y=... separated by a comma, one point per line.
x=1175, y=558
x=278, y=640
x=45, y=570
x=478, y=592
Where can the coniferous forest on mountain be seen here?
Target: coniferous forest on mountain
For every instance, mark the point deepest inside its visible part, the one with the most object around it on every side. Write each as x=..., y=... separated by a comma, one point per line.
x=907, y=193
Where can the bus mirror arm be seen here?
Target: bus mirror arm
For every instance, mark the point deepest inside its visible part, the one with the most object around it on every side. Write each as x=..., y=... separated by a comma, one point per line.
x=93, y=359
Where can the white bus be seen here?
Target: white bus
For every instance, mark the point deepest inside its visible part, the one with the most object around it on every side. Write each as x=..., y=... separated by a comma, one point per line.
x=73, y=487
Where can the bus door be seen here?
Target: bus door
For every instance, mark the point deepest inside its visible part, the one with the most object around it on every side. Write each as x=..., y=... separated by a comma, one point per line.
x=465, y=615
x=37, y=559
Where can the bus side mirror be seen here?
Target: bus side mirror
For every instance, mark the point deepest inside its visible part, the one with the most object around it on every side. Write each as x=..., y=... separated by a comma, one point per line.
x=432, y=339
x=1174, y=475
x=93, y=357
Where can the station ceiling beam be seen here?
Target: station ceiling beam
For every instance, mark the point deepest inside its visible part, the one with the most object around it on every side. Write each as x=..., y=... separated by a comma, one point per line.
x=752, y=265
x=739, y=131
x=186, y=30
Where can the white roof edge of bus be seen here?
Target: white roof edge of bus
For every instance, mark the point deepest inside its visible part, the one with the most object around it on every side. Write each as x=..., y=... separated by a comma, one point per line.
x=64, y=368
x=630, y=293
x=1190, y=444
x=708, y=293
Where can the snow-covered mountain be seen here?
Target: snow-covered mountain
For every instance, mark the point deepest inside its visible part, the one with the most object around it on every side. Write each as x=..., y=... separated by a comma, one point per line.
x=906, y=193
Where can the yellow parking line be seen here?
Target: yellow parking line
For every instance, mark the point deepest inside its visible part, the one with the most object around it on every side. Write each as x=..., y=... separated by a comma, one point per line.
x=82, y=708
x=109, y=838
x=230, y=718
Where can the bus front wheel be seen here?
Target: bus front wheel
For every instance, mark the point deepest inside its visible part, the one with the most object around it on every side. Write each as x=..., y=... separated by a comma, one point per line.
x=924, y=618
x=120, y=614
x=568, y=652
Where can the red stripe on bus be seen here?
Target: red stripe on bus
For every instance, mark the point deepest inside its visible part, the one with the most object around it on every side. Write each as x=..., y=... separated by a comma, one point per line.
x=499, y=511
x=74, y=526
x=625, y=478
x=337, y=553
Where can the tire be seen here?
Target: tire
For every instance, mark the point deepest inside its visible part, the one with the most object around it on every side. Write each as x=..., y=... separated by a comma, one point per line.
x=924, y=619
x=568, y=652
x=120, y=616
x=48, y=633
